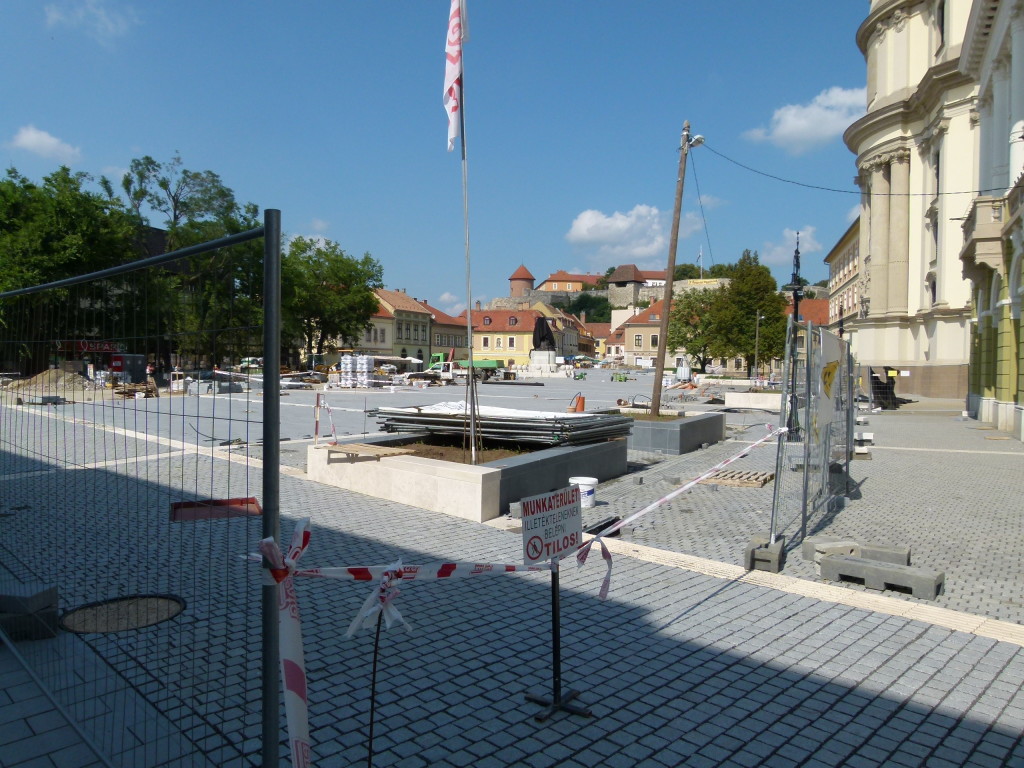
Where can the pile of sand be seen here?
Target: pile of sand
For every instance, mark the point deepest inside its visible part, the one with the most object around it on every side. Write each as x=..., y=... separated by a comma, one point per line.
x=55, y=380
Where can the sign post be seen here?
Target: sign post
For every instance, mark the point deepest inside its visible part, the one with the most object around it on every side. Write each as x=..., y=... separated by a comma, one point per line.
x=553, y=526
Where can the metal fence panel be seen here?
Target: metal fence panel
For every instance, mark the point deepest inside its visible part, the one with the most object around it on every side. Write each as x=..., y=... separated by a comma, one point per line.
x=812, y=464
x=127, y=498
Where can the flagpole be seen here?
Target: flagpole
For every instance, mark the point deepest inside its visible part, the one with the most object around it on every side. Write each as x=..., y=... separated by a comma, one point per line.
x=469, y=287
x=455, y=88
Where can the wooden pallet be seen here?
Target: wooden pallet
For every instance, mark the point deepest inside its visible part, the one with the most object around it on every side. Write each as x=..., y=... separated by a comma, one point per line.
x=738, y=477
x=128, y=391
x=354, y=450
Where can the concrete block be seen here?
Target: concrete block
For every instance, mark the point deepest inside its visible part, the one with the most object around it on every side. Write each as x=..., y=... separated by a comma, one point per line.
x=924, y=583
x=679, y=436
x=886, y=553
x=754, y=401
x=27, y=597
x=861, y=453
x=762, y=556
x=864, y=437
x=862, y=421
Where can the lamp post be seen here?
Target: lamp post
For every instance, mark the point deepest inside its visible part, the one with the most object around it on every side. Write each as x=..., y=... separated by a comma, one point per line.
x=793, y=420
x=659, y=360
x=757, y=340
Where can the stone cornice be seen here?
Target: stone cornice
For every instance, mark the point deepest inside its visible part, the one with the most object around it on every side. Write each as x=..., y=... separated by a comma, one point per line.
x=938, y=80
x=889, y=14
x=882, y=159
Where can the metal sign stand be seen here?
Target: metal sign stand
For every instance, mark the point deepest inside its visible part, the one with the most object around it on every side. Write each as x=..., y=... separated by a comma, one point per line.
x=558, y=700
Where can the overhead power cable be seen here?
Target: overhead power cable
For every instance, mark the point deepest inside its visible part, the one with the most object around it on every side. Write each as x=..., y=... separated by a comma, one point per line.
x=707, y=234
x=845, y=191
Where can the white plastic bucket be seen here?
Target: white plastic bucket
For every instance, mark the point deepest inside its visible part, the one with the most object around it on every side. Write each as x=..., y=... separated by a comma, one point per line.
x=588, y=490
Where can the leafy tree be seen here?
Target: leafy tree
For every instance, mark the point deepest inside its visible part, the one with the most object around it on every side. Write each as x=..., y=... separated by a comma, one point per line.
x=55, y=230
x=752, y=293
x=597, y=308
x=602, y=282
x=721, y=270
x=180, y=195
x=687, y=272
x=327, y=295
x=690, y=325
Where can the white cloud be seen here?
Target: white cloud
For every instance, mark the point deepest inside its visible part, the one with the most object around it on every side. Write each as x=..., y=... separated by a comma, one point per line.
x=31, y=139
x=115, y=174
x=319, y=225
x=450, y=303
x=799, y=128
x=710, y=202
x=782, y=252
x=99, y=18
x=639, y=236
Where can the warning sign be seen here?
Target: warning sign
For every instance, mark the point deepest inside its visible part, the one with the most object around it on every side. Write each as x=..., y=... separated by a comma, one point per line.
x=552, y=525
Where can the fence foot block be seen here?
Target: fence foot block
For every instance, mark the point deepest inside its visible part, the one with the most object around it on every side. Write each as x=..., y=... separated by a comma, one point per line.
x=762, y=556
x=924, y=583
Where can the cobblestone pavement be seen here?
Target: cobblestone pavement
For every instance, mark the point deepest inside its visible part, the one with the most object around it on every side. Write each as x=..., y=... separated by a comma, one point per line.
x=679, y=667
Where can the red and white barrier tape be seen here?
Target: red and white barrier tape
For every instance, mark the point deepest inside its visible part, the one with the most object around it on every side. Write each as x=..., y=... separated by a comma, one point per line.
x=381, y=601
x=582, y=552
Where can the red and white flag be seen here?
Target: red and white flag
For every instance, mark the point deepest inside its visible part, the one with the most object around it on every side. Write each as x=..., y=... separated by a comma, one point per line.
x=453, y=72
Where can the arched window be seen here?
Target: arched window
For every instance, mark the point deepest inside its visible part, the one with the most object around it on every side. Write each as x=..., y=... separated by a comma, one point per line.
x=487, y=320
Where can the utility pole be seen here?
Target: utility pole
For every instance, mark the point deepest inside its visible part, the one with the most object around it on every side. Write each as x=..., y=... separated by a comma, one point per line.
x=659, y=359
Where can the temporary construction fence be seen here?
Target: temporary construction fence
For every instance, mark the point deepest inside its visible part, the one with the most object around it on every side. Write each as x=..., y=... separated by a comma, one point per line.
x=818, y=409
x=126, y=502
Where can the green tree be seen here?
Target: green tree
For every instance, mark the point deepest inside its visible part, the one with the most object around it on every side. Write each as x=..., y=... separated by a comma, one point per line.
x=56, y=230
x=327, y=295
x=690, y=325
x=180, y=195
x=219, y=311
x=597, y=308
x=602, y=282
x=734, y=316
x=687, y=272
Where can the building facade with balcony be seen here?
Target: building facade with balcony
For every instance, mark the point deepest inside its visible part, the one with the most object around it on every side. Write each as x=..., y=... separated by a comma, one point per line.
x=844, y=282
x=993, y=234
x=916, y=162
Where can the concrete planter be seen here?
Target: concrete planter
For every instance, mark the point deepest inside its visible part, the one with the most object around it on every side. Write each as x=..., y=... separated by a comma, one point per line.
x=755, y=401
x=682, y=435
x=477, y=493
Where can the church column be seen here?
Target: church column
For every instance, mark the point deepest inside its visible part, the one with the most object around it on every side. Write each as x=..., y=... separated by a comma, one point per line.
x=899, y=232
x=878, y=248
x=1016, y=93
x=1001, y=120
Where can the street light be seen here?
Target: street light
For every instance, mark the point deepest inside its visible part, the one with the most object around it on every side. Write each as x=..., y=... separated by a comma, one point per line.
x=659, y=365
x=757, y=339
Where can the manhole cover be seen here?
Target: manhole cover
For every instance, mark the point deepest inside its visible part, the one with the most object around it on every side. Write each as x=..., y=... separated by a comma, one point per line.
x=121, y=614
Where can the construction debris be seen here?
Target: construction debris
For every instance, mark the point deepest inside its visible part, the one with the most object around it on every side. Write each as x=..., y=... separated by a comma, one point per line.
x=506, y=424
x=741, y=478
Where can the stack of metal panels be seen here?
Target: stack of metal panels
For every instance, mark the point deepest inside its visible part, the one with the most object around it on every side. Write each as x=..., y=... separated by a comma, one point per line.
x=506, y=424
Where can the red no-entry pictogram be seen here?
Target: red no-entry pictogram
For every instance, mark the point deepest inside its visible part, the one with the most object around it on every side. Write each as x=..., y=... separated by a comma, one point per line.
x=535, y=548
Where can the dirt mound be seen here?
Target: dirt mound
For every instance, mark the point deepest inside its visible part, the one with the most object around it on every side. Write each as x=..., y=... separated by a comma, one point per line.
x=56, y=380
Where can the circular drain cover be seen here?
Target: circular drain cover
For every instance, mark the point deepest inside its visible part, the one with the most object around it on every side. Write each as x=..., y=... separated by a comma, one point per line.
x=121, y=614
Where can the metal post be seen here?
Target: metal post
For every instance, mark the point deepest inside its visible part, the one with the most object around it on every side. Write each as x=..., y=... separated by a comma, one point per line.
x=808, y=346
x=757, y=341
x=659, y=363
x=271, y=479
x=794, y=421
x=557, y=701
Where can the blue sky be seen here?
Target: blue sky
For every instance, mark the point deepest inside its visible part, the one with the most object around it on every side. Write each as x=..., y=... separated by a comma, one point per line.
x=332, y=111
